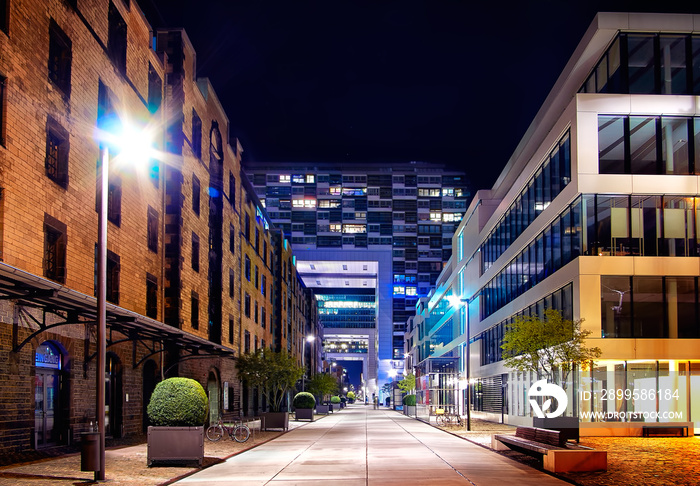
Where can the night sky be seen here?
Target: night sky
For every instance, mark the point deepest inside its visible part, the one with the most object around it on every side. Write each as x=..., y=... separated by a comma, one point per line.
x=452, y=82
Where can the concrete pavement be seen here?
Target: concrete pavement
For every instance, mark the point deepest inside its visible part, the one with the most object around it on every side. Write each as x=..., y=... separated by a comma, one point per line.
x=362, y=446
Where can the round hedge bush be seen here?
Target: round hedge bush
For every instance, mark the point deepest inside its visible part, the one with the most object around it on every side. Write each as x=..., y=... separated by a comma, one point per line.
x=335, y=399
x=304, y=400
x=178, y=402
x=409, y=400
x=351, y=395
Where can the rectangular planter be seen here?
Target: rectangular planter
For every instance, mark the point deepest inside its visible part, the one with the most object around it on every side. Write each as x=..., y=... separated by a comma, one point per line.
x=323, y=409
x=275, y=420
x=170, y=445
x=304, y=414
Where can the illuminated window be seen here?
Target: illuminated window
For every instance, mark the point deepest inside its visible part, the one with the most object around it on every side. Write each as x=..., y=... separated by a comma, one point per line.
x=411, y=291
x=284, y=178
x=399, y=290
x=298, y=203
x=435, y=216
x=335, y=191
x=448, y=191
x=309, y=203
x=310, y=178
x=354, y=228
x=298, y=179
x=336, y=228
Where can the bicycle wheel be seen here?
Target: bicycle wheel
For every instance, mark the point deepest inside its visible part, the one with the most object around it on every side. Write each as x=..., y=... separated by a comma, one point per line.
x=241, y=433
x=440, y=420
x=215, y=432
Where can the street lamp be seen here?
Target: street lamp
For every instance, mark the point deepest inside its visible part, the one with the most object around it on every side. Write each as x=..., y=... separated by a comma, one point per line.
x=132, y=145
x=309, y=339
x=457, y=302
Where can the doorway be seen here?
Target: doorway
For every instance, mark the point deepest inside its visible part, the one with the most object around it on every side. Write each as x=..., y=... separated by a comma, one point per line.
x=46, y=395
x=113, y=397
x=213, y=392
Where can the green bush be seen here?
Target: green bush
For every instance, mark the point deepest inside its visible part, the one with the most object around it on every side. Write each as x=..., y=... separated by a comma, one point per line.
x=335, y=399
x=304, y=400
x=178, y=402
x=409, y=400
x=351, y=395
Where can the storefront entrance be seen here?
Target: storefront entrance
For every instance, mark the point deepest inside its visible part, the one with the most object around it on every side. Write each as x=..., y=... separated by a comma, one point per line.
x=46, y=394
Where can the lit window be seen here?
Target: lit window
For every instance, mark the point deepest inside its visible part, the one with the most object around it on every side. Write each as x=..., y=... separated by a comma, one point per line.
x=284, y=178
x=411, y=291
x=435, y=216
x=399, y=290
x=298, y=179
x=448, y=191
x=298, y=203
x=309, y=203
x=310, y=178
x=336, y=228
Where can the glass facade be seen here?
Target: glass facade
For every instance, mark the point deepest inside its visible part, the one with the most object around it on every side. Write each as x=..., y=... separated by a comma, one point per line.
x=648, y=64
x=549, y=180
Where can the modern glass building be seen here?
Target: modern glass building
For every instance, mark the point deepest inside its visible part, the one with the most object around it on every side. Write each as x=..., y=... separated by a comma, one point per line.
x=370, y=241
x=595, y=215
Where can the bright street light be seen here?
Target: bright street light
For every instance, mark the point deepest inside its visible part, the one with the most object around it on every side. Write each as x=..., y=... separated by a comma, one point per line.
x=131, y=146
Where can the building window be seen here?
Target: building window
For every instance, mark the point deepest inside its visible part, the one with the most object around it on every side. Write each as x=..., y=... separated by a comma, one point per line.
x=152, y=229
x=257, y=240
x=4, y=9
x=151, y=296
x=230, y=329
x=257, y=276
x=55, y=239
x=114, y=201
x=113, y=271
x=263, y=286
x=256, y=312
x=232, y=189
x=57, y=148
x=116, y=43
x=264, y=253
x=231, y=281
x=196, y=194
x=194, y=316
x=246, y=342
x=247, y=227
x=60, y=54
x=263, y=316
x=196, y=135
x=2, y=108
x=246, y=305
x=232, y=239
x=195, y=252
x=247, y=268
x=155, y=89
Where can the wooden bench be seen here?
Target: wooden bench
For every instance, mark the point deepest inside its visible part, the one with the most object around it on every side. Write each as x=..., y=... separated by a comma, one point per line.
x=551, y=447
x=665, y=430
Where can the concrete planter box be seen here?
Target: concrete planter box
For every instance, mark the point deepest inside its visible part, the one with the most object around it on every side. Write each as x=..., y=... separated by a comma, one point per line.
x=175, y=445
x=409, y=410
x=304, y=414
x=323, y=409
x=274, y=420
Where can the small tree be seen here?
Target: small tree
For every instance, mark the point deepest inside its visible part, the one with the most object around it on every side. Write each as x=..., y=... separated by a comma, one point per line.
x=546, y=344
x=408, y=384
x=274, y=373
x=322, y=385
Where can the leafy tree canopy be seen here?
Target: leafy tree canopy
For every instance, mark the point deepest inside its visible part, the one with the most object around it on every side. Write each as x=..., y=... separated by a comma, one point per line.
x=408, y=384
x=274, y=373
x=322, y=385
x=546, y=344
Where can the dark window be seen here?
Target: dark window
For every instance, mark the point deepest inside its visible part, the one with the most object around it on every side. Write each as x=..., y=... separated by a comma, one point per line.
x=263, y=317
x=232, y=239
x=113, y=271
x=232, y=189
x=2, y=108
x=195, y=252
x=55, y=239
x=257, y=276
x=57, y=148
x=263, y=286
x=231, y=281
x=247, y=227
x=246, y=305
x=256, y=312
x=196, y=135
x=114, y=201
x=116, y=43
x=264, y=253
x=196, y=194
x=155, y=89
x=257, y=240
x=151, y=296
x=59, y=58
x=194, y=315
x=230, y=329
x=152, y=229
x=4, y=9
x=247, y=268
x=246, y=342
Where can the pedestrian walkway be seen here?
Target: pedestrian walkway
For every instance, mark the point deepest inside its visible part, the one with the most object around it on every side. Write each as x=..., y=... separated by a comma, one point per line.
x=363, y=446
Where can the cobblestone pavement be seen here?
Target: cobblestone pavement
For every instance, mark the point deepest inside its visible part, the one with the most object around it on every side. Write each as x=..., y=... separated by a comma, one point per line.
x=125, y=465
x=648, y=461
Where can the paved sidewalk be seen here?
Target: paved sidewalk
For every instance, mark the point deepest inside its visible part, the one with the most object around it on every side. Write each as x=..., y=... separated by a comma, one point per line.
x=362, y=446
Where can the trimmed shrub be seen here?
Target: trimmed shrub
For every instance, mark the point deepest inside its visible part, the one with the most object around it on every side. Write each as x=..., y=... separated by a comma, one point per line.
x=335, y=399
x=409, y=400
x=178, y=402
x=351, y=395
x=304, y=400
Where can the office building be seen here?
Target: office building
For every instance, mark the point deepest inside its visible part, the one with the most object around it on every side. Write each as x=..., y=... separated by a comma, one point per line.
x=370, y=241
x=595, y=215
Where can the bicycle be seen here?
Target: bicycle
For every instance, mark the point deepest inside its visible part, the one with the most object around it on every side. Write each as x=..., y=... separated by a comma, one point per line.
x=446, y=418
x=238, y=432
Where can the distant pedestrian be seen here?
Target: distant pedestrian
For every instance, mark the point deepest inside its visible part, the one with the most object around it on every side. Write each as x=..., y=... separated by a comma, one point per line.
x=376, y=402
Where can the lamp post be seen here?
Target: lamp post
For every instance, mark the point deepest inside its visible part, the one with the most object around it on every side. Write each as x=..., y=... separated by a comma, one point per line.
x=133, y=144
x=309, y=339
x=457, y=303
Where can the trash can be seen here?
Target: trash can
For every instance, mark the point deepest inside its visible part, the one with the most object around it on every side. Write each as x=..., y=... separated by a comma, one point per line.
x=90, y=451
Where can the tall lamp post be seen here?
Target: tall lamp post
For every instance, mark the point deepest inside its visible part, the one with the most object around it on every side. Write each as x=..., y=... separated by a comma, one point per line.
x=131, y=144
x=309, y=339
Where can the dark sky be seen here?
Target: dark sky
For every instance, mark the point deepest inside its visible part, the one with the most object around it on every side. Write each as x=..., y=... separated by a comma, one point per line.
x=453, y=82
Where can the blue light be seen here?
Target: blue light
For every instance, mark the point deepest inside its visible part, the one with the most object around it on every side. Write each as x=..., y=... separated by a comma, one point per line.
x=214, y=192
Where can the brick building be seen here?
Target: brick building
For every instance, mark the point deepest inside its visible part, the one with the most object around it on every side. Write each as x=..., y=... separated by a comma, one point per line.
x=179, y=232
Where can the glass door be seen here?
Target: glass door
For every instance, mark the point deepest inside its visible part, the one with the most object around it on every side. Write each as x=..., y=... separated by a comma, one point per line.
x=45, y=395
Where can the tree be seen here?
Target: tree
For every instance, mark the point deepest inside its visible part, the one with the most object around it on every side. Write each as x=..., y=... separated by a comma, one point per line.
x=408, y=384
x=322, y=385
x=274, y=373
x=547, y=345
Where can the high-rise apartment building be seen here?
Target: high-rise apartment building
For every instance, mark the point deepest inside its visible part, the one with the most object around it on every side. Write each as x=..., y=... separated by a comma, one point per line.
x=595, y=215
x=370, y=241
